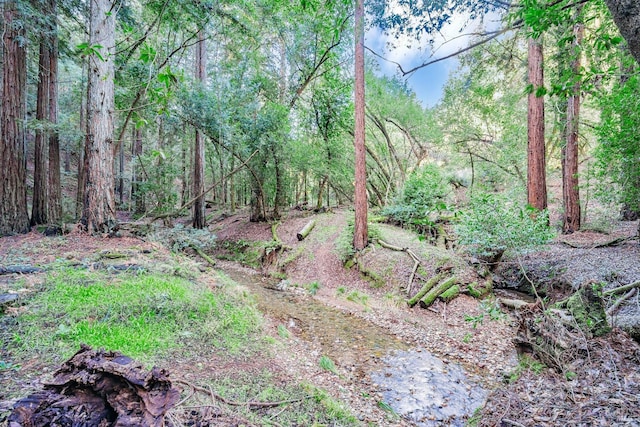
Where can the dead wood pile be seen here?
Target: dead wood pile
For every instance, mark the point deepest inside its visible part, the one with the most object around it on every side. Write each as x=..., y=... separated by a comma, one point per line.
x=98, y=388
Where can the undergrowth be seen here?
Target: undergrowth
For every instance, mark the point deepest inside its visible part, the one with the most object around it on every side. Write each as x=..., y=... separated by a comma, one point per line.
x=142, y=316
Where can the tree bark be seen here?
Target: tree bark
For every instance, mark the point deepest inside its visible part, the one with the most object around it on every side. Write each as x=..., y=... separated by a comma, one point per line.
x=39, y=205
x=536, y=162
x=99, y=213
x=14, y=217
x=570, y=191
x=55, y=187
x=138, y=176
x=360, y=234
x=199, y=219
x=626, y=15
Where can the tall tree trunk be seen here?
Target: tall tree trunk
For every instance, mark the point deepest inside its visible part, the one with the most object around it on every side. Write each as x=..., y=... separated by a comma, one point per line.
x=55, y=187
x=136, y=194
x=360, y=234
x=39, y=207
x=626, y=15
x=84, y=129
x=536, y=162
x=14, y=217
x=199, y=220
x=570, y=191
x=99, y=212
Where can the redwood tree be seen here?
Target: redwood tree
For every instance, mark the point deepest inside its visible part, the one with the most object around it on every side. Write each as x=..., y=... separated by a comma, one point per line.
x=55, y=191
x=536, y=162
x=360, y=234
x=99, y=214
x=570, y=191
x=13, y=175
x=199, y=220
x=40, y=206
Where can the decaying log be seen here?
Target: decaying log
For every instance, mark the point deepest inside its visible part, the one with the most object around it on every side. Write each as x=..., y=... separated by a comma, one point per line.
x=306, y=230
x=425, y=288
x=98, y=388
x=431, y=296
x=450, y=294
x=203, y=255
x=20, y=269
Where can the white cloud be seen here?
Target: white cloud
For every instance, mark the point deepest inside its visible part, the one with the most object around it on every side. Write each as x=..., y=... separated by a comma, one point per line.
x=409, y=52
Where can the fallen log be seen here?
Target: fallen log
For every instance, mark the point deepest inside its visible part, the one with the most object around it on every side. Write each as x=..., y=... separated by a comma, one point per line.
x=20, y=269
x=435, y=292
x=203, y=255
x=450, y=294
x=302, y=234
x=425, y=288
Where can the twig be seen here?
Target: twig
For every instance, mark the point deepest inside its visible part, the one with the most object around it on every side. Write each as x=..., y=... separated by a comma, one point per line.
x=249, y=404
x=619, y=302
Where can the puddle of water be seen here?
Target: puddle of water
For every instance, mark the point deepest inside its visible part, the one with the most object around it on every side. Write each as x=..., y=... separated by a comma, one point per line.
x=427, y=391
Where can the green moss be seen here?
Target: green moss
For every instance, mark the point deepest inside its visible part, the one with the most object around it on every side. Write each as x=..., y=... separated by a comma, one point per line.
x=450, y=293
x=586, y=307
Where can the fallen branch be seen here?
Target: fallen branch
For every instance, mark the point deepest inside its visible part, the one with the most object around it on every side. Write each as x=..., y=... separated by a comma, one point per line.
x=621, y=288
x=252, y=404
x=619, y=302
x=413, y=274
x=390, y=246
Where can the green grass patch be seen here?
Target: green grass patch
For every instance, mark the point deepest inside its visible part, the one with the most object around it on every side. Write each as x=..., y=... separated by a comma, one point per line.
x=310, y=406
x=143, y=316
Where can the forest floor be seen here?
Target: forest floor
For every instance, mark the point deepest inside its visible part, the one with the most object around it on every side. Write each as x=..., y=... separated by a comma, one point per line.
x=360, y=326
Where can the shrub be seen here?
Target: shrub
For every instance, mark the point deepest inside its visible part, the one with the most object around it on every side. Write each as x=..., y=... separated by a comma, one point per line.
x=424, y=193
x=493, y=224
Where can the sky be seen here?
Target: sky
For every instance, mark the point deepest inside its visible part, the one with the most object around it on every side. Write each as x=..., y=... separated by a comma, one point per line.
x=428, y=82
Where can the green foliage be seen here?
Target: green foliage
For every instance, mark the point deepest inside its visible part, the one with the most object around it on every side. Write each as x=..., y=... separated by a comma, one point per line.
x=158, y=187
x=489, y=308
x=618, y=151
x=327, y=364
x=424, y=194
x=358, y=297
x=313, y=287
x=493, y=223
x=526, y=364
x=143, y=316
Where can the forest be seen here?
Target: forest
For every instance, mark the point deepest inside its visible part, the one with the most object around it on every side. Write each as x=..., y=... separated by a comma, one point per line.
x=256, y=131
